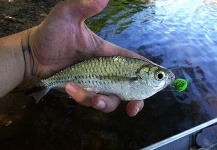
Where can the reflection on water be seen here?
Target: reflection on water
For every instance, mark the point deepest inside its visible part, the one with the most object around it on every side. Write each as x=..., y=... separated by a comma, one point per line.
x=117, y=16
x=180, y=35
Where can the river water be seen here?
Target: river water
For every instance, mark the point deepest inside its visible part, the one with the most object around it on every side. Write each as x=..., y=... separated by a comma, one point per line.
x=177, y=34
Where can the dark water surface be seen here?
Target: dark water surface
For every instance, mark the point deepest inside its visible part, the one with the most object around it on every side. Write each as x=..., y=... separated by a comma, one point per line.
x=178, y=34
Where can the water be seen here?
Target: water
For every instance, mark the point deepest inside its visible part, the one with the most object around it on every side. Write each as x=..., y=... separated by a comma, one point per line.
x=179, y=34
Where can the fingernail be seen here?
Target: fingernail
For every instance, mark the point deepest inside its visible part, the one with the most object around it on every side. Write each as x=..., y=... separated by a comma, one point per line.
x=70, y=89
x=137, y=110
x=134, y=112
x=100, y=105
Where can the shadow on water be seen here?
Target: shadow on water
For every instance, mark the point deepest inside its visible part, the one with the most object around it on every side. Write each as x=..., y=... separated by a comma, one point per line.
x=174, y=34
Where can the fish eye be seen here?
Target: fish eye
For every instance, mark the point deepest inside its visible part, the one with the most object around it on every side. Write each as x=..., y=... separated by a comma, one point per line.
x=159, y=75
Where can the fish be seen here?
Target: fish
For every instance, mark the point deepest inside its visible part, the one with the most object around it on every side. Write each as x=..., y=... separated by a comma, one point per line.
x=128, y=78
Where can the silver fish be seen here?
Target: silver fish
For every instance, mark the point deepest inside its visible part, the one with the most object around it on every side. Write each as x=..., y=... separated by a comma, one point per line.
x=128, y=78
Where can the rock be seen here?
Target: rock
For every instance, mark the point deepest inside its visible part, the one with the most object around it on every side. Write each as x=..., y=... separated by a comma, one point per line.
x=8, y=123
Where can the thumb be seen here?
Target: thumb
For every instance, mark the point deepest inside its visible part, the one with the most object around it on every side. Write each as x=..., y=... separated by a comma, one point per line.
x=87, y=8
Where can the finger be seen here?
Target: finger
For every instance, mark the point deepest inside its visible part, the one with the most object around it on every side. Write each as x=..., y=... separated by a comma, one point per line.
x=79, y=94
x=87, y=98
x=105, y=103
x=134, y=107
x=109, y=49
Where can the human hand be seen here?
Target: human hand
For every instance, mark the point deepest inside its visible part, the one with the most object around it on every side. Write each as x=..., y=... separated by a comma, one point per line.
x=63, y=38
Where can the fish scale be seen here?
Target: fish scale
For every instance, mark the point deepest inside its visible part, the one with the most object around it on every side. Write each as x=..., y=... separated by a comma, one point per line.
x=128, y=78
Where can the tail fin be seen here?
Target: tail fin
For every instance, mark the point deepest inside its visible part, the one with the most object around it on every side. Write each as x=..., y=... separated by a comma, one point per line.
x=36, y=88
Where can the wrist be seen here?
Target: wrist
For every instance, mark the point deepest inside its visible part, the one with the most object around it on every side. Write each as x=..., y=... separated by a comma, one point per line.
x=12, y=66
x=27, y=52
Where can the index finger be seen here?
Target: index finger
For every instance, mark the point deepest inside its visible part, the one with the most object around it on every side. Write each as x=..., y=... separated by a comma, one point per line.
x=103, y=103
x=109, y=49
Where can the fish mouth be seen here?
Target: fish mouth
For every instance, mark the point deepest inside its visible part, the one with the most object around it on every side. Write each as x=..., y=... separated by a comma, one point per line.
x=170, y=80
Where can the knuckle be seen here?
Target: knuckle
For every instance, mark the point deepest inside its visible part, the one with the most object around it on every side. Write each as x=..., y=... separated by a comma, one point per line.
x=112, y=103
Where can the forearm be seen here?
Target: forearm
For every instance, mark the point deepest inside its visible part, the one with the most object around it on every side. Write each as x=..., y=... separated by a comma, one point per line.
x=12, y=62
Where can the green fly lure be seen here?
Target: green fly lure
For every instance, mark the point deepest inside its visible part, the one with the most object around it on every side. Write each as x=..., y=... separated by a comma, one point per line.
x=180, y=84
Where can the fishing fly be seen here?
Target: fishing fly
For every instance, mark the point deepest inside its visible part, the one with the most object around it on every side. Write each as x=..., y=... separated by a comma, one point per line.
x=180, y=84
